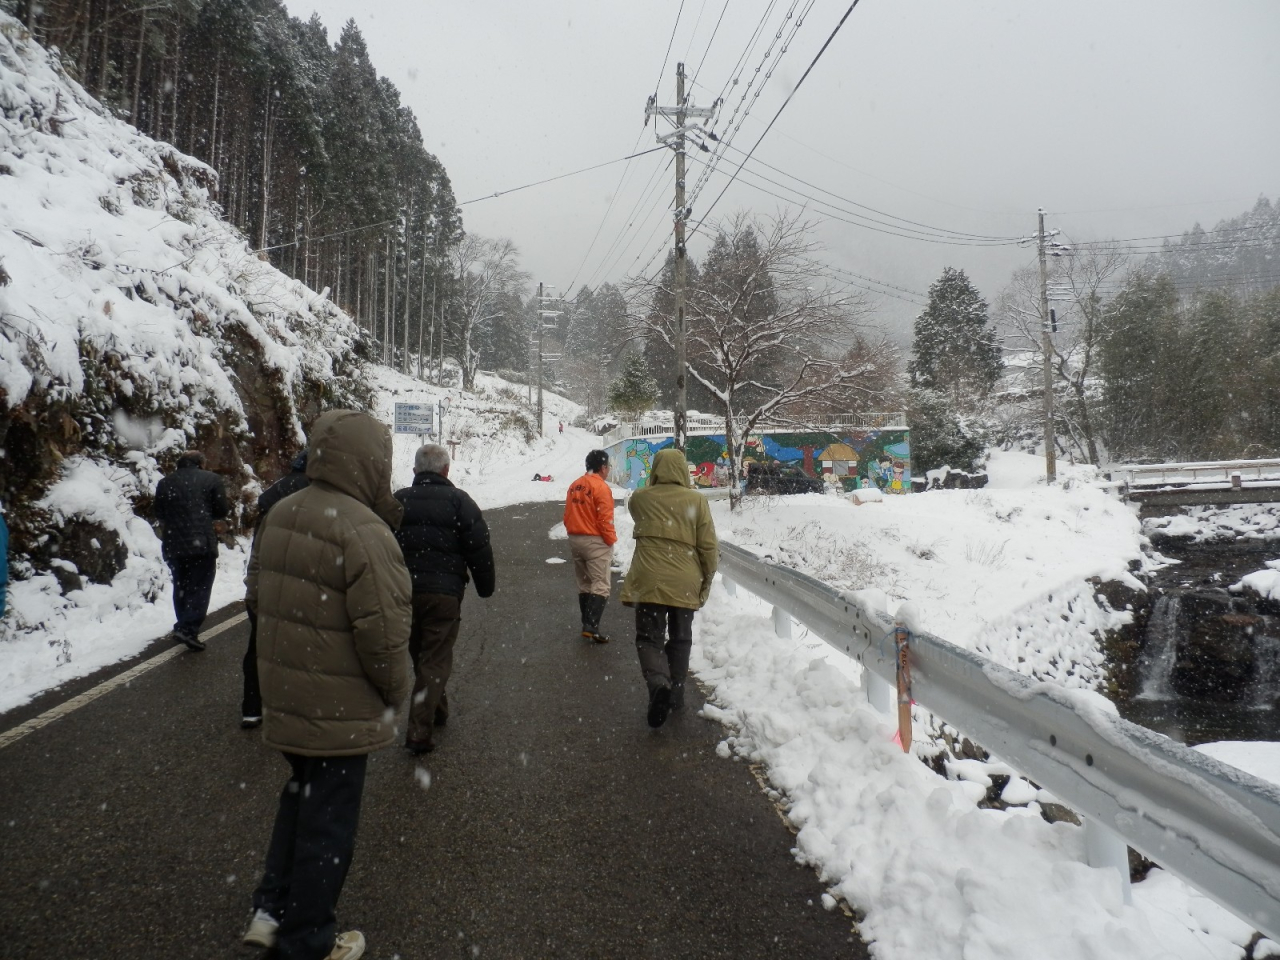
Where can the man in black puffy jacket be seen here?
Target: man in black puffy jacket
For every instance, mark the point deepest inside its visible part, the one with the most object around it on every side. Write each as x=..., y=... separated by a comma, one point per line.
x=251, y=701
x=187, y=503
x=442, y=536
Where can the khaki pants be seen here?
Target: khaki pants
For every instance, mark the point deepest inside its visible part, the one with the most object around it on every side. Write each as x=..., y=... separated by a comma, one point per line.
x=591, y=559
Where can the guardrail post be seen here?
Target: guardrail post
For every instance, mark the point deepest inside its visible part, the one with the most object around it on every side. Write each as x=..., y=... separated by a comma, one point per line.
x=881, y=695
x=1103, y=847
x=781, y=623
x=730, y=587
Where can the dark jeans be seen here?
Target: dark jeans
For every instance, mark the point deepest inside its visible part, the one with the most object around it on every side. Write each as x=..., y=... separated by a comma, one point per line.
x=251, y=701
x=311, y=848
x=192, y=586
x=436, y=618
x=664, y=638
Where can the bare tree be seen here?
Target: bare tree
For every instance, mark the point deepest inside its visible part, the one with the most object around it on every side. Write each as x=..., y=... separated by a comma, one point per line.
x=769, y=335
x=488, y=271
x=1076, y=284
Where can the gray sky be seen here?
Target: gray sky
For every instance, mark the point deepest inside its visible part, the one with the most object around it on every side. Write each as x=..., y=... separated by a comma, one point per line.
x=1123, y=119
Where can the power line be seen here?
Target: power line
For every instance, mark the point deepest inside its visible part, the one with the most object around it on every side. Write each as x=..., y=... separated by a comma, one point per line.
x=799, y=84
x=723, y=143
x=627, y=234
x=959, y=234
x=866, y=223
x=571, y=173
x=667, y=55
x=710, y=42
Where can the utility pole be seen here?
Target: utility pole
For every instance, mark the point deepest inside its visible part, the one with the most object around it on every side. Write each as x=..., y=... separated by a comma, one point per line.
x=681, y=113
x=543, y=314
x=1046, y=348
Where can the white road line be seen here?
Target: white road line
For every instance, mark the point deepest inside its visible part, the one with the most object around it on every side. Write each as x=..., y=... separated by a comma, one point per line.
x=75, y=703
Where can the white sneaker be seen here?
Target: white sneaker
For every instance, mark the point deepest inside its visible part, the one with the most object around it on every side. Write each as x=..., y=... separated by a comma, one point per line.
x=348, y=946
x=262, y=931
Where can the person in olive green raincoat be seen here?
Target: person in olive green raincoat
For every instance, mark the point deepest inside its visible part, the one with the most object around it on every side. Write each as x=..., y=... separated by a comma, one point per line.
x=670, y=576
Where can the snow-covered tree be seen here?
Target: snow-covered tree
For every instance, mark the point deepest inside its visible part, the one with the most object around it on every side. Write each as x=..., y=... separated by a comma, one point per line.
x=1077, y=283
x=955, y=349
x=488, y=273
x=767, y=330
x=635, y=390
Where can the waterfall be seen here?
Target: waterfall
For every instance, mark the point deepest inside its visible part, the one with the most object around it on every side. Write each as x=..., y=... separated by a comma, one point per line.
x=1159, y=650
x=1266, y=664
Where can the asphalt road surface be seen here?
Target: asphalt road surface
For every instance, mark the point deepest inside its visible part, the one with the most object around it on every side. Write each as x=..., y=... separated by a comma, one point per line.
x=549, y=822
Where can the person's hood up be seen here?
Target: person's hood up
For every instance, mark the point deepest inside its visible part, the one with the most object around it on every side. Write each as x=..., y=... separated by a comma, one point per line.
x=351, y=451
x=299, y=464
x=670, y=466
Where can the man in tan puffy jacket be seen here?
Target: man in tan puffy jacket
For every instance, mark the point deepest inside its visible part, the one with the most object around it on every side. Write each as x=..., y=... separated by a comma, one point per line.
x=670, y=577
x=332, y=596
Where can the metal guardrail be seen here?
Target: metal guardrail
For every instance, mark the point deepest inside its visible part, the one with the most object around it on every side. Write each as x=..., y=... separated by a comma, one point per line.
x=1216, y=827
x=1221, y=471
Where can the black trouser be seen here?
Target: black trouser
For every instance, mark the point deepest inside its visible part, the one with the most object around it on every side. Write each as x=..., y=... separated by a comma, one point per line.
x=436, y=618
x=664, y=637
x=192, y=587
x=251, y=701
x=310, y=853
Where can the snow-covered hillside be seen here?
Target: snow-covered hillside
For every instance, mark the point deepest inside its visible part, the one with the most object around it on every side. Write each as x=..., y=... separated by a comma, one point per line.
x=134, y=323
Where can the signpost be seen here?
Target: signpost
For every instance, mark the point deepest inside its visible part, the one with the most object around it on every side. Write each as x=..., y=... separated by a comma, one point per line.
x=416, y=418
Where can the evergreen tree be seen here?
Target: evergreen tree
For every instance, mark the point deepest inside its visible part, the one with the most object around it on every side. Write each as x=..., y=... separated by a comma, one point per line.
x=940, y=437
x=955, y=347
x=635, y=390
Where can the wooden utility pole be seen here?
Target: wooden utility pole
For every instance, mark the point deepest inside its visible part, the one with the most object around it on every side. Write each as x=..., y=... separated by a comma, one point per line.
x=1046, y=347
x=681, y=113
x=543, y=315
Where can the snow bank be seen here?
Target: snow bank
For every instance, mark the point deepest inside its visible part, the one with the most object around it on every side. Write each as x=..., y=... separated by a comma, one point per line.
x=935, y=875
x=1004, y=570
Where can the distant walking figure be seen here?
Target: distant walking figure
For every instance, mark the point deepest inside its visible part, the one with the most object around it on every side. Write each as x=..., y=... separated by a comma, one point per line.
x=588, y=520
x=331, y=593
x=670, y=576
x=562, y=428
x=251, y=700
x=443, y=536
x=187, y=503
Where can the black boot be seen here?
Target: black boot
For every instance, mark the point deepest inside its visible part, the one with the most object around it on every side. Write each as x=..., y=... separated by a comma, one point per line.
x=591, y=625
x=584, y=606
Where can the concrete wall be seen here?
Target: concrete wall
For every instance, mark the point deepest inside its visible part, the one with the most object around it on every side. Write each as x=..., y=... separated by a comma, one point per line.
x=846, y=459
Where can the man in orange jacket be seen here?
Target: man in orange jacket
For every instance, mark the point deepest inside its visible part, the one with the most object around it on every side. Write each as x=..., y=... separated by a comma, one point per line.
x=588, y=519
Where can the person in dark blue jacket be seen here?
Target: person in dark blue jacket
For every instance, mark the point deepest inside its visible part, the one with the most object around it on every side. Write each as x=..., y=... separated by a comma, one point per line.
x=251, y=700
x=443, y=537
x=187, y=503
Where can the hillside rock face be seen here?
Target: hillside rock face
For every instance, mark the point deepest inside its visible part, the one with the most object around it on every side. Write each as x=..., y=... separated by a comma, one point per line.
x=134, y=323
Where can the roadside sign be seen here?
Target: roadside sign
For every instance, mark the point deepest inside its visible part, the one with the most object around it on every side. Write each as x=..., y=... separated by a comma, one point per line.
x=416, y=418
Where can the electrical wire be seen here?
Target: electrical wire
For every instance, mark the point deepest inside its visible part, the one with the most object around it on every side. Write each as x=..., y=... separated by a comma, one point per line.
x=959, y=234
x=799, y=84
x=657, y=86
x=561, y=176
x=866, y=223
x=723, y=143
x=719, y=19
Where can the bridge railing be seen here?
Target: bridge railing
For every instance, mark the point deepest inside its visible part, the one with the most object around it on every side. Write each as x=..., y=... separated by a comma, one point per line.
x=1212, y=825
x=702, y=423
x=1219, y=471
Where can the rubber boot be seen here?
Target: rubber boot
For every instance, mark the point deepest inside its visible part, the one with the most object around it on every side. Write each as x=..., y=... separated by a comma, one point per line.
x=678, y=662
x=583, y=601
x=595, y=607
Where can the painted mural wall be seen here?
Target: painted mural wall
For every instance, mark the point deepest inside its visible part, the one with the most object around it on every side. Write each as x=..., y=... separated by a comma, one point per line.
x=848, y=460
